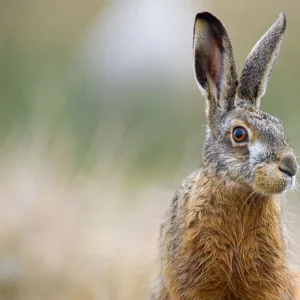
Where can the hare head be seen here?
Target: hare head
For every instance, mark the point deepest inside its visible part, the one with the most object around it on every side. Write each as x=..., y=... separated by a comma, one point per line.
x=244, y=145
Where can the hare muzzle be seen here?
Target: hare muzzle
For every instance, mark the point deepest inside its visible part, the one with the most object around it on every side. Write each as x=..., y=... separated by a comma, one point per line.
x=274, y=178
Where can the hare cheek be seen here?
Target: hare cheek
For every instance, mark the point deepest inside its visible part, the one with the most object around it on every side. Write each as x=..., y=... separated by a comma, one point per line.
x=258, y=153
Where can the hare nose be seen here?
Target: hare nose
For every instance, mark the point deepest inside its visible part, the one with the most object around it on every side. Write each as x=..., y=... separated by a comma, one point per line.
x=288, y=165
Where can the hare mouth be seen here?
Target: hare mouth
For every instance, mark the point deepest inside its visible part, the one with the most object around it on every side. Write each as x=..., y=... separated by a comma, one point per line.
x=268, y=179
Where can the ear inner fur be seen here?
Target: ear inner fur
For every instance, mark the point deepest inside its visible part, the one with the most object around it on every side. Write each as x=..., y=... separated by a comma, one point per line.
x=214, y=64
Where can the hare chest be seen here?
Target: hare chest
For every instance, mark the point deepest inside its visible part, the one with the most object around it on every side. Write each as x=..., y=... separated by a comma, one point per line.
x=234, y=253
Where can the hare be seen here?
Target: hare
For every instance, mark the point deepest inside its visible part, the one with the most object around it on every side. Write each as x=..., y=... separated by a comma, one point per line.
x=222, y=238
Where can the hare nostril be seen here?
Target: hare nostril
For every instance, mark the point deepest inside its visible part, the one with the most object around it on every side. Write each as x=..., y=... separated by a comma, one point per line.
x=285, y=172
x=288, y=164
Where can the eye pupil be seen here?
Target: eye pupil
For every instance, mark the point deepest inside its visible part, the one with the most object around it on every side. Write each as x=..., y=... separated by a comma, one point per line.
x=240, y=134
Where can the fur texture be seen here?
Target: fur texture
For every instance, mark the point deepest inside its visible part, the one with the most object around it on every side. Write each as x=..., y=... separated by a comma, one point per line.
x=221, y=238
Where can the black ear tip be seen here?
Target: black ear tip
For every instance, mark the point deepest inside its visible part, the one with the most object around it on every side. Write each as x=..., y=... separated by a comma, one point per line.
x=212, y=21
x=206, y=16
x=203, y=14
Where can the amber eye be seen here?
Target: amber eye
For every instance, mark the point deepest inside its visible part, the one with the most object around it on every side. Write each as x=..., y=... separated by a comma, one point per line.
x=240, y=134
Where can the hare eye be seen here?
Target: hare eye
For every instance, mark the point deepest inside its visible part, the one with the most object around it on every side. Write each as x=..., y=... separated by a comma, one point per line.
x=240, y=134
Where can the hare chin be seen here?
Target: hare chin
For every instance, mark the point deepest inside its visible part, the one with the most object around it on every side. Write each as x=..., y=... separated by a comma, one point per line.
x=269, y=180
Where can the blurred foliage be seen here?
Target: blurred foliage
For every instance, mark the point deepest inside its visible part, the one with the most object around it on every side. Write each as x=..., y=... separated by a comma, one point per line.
x=45, y=88
x=157, y=119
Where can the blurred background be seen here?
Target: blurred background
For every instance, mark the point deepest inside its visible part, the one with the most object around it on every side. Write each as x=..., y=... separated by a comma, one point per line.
x=100, y=119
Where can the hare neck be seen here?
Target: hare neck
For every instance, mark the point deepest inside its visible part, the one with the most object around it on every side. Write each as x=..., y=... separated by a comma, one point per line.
x=240, y=215
x=241, y=201
x=240, y=237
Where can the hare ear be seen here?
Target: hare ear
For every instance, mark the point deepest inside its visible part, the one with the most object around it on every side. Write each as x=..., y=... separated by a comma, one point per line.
x=214, y=63
x=260, y=62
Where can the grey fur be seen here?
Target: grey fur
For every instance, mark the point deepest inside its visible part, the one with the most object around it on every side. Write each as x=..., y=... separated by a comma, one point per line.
x=260, y=62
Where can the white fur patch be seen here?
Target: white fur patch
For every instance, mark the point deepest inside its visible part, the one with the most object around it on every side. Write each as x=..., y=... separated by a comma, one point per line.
x=257, y=149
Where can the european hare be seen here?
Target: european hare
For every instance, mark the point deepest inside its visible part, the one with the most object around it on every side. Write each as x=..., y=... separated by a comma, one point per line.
x=221, y=238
